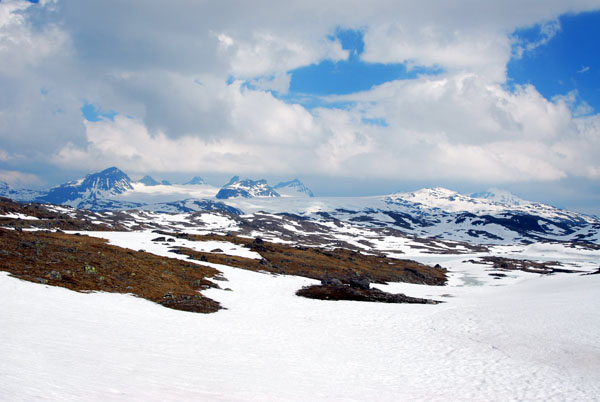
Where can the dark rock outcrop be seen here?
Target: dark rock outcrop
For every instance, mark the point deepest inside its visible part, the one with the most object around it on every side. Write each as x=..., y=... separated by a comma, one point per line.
x=344, y=292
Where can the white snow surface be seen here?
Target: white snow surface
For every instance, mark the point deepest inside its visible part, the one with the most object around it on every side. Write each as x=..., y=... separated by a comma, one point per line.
x=502, y=196
x=166, y=193
x=14, y=215
x=522, y=337
x=143, y=240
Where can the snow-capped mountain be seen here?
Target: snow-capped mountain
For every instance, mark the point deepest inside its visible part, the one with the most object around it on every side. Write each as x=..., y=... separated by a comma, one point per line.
x=439, y=213
x=246, y=188
x=112, y=189
x=94, y=186
x=293, y=188
x=492, y=217
x=196, y=180
x=501, y=196
x=18, y=194
x=493, y=203
x=443, y=213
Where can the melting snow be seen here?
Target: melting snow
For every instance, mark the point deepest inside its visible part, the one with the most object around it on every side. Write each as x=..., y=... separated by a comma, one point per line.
x=532, y=339
x=19, y=216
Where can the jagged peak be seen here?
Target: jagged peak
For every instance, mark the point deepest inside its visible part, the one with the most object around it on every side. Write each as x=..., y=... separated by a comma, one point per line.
x=234, y=179
x=148, y=181
x=196, y=180
x=246, y=188
x=110, y=170
x=112, y=180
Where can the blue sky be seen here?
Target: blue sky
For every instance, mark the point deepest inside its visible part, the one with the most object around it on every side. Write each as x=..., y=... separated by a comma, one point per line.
x=365, y=99
x=350, y=75
x=570, y=61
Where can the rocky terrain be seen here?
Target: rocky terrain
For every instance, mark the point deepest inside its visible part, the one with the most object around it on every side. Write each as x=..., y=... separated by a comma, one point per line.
x=87, y=264
x=344, y=247
x=487, y=218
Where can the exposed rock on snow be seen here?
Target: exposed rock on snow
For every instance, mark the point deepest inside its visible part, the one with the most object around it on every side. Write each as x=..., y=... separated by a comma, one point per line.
x=246, y=188
x=345, y=292
x=85, y=191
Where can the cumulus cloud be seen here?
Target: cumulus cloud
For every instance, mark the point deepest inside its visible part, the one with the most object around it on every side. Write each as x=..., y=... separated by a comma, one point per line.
x=22, y=46
x=127, y=143
x=463, y=127
x=578, y=106
x=267, y=53
x=174, y=74
x=475, y=50
x=460, y=128
x=267, y=135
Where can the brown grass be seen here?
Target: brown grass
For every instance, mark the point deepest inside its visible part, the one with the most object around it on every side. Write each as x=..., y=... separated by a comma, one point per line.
x=319, y=263
x=83, y=263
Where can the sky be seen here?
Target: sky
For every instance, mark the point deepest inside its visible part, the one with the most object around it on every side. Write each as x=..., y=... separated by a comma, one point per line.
x=352, y=97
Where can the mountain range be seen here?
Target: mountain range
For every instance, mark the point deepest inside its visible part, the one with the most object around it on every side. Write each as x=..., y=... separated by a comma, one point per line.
x=113, y=189
x=491, y=217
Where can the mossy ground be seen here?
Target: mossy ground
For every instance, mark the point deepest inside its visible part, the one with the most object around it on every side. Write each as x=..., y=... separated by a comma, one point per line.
x=85, y=263
x=319, y=263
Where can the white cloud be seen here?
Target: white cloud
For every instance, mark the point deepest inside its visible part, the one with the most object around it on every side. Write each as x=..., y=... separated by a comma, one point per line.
x=20, y=45
x=224, y=40
x=145, y=60
x=19, y=179
x=128, y=143
x=475, y=50
x=458, y=128
x=461, y=127
x=583, y=69
x=548, y=30
x=279, y=82
x=578, y=106
x=346, y=138
x=266, y=53
x=267, y=135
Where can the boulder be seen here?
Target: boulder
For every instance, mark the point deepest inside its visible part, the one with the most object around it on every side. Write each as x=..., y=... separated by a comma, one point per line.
x=361, y=282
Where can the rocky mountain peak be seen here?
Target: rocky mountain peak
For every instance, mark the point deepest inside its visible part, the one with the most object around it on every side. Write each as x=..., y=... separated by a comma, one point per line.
x=246, y=188
x=110, y=181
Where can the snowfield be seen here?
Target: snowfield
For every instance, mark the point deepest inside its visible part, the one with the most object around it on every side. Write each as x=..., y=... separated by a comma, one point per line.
x=521, y=337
